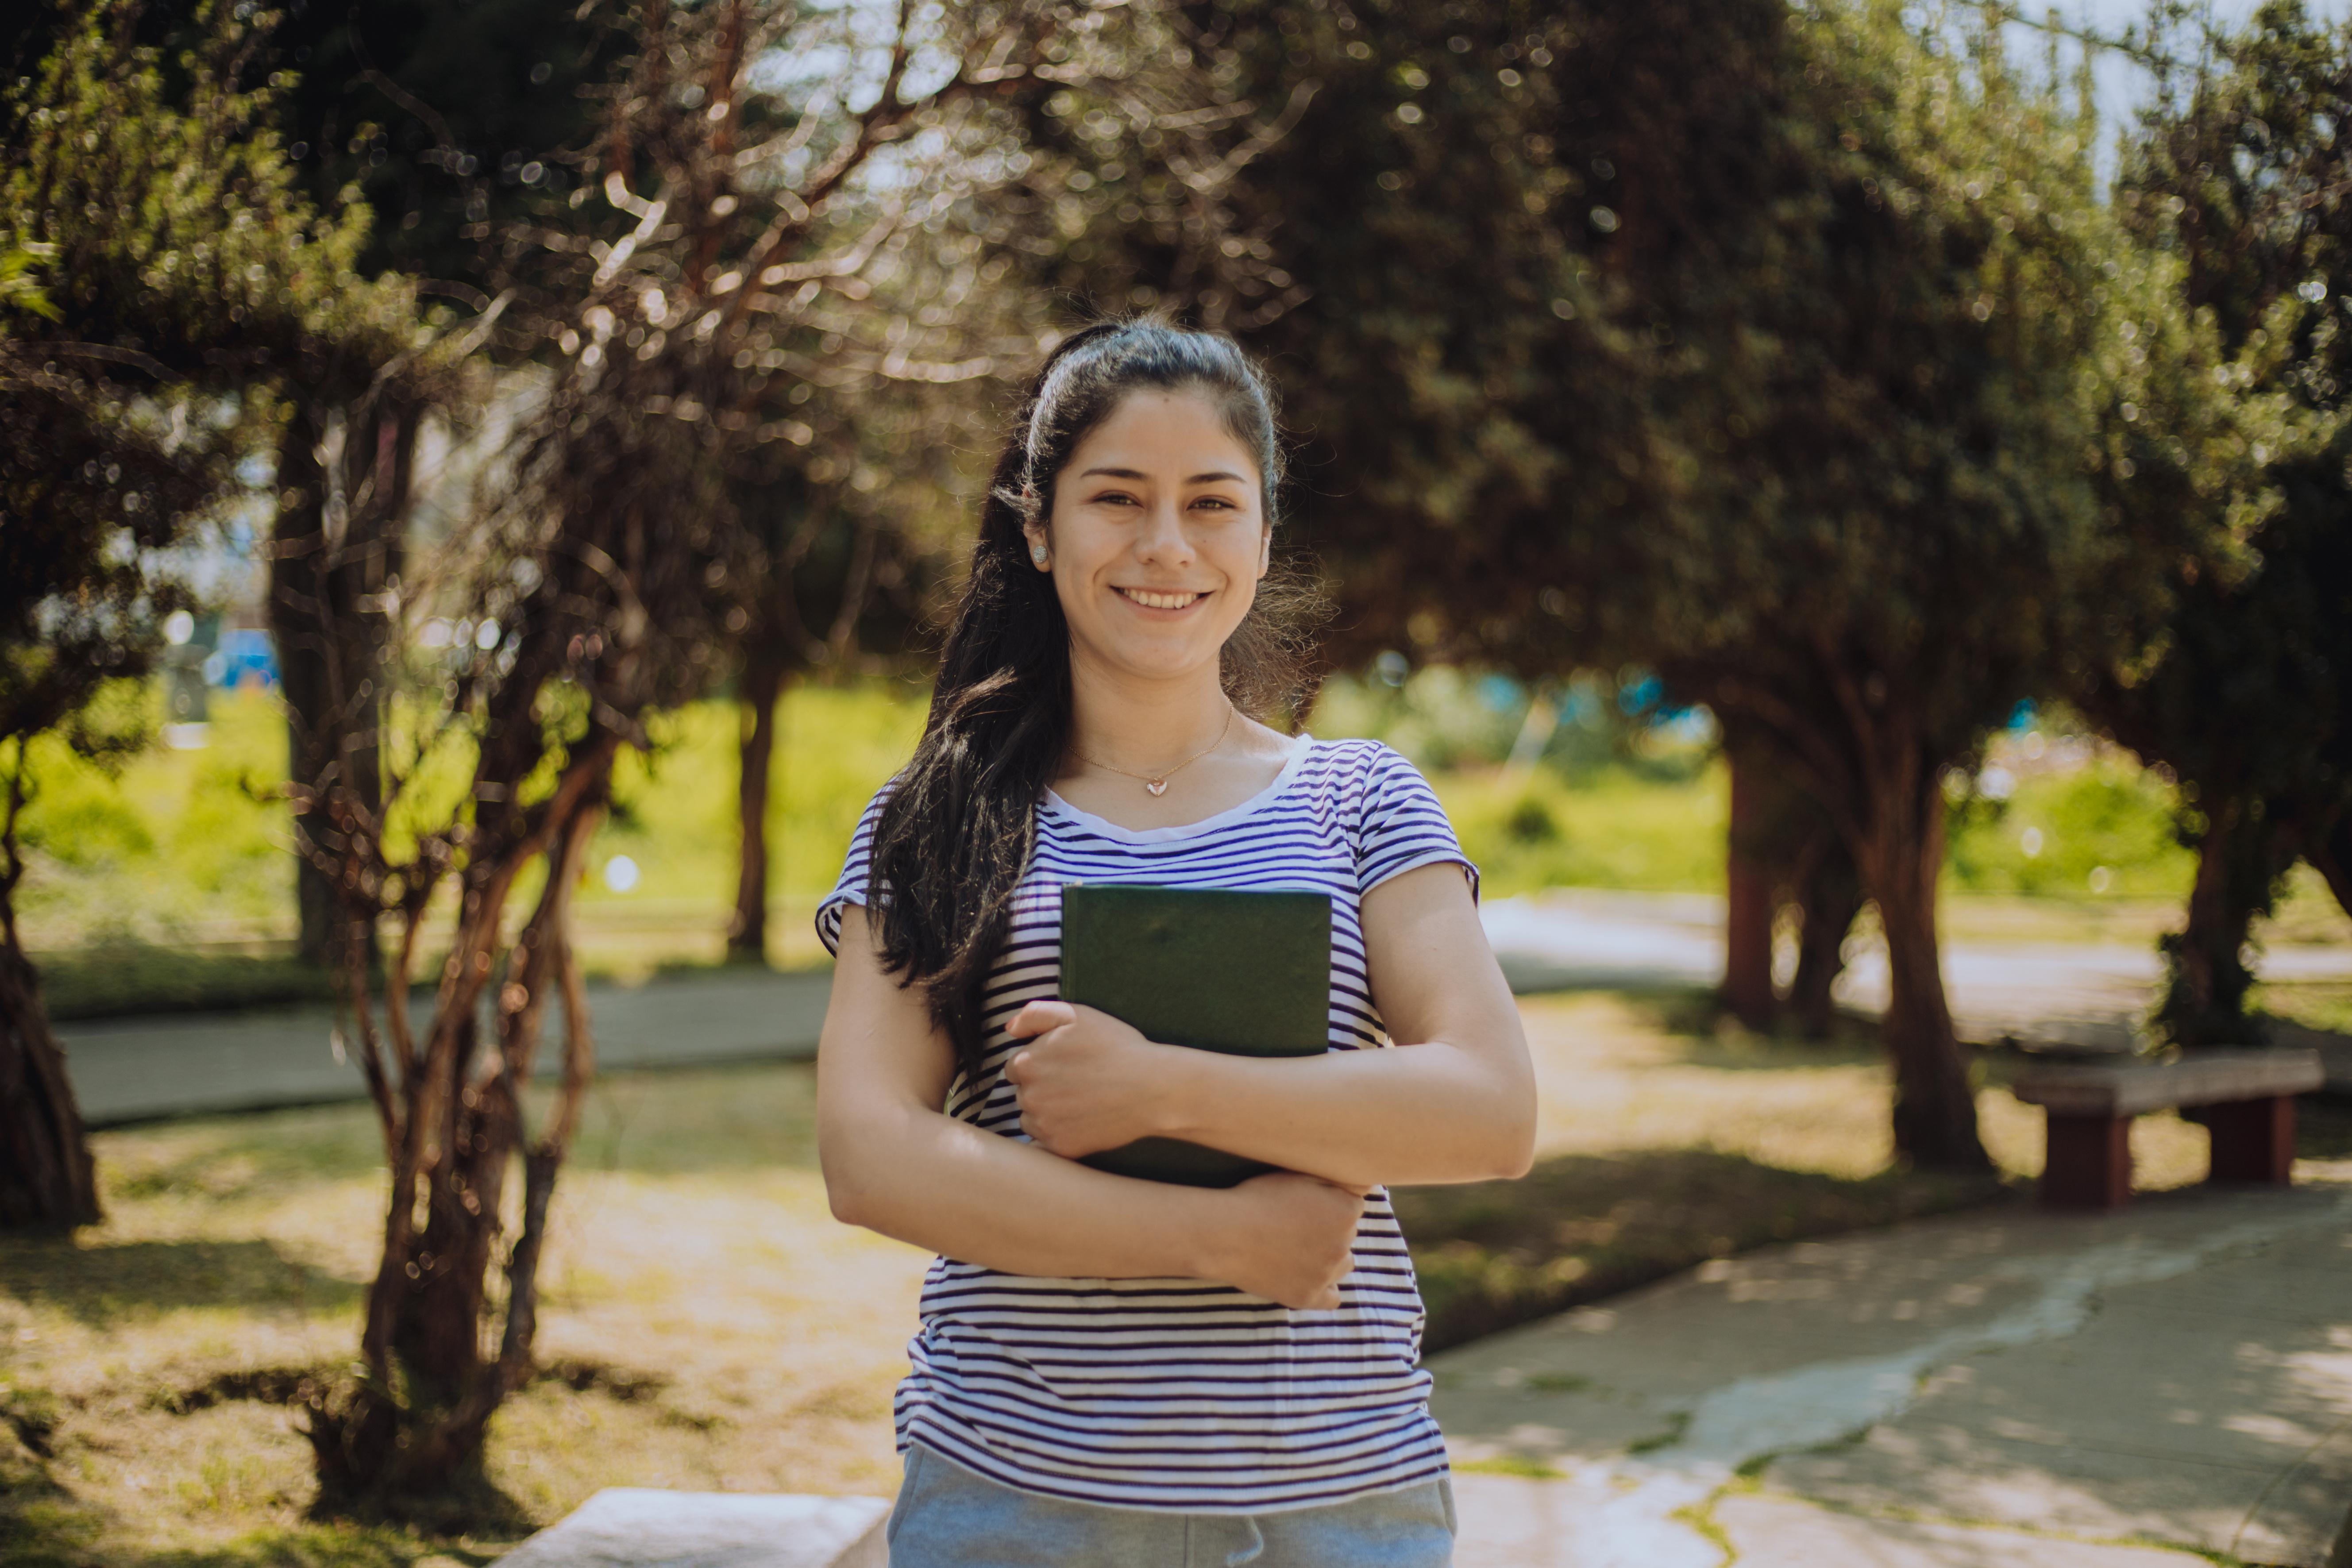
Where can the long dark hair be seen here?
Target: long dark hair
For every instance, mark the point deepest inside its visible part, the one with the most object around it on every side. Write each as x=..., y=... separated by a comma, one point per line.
x=958, y=827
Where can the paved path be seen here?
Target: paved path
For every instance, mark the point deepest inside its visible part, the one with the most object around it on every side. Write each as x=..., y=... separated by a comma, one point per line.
x=133, y=1069
x=128, y=1070
x=2007, y=1387
x=2077, y=994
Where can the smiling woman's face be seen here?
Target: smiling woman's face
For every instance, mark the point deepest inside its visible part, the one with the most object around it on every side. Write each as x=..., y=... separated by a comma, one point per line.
x=1157, y=536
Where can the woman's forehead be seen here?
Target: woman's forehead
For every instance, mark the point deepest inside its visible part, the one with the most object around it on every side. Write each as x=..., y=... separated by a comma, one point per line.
x=1157, y=433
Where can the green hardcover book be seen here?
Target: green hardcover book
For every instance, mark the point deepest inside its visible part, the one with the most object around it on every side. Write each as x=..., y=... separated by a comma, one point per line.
x=1245, y=973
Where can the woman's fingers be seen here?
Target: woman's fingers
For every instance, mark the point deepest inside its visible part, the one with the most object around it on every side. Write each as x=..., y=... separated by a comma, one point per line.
x=1039, y=1016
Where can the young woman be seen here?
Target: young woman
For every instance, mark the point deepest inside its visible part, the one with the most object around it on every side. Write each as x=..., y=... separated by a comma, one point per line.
x=1118, y=1372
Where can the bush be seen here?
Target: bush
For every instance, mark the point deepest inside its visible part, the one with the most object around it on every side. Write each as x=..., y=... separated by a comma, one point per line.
x=2106, y=829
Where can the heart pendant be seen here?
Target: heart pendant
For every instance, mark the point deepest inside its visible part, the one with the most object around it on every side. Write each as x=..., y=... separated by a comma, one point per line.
x=1156, y=786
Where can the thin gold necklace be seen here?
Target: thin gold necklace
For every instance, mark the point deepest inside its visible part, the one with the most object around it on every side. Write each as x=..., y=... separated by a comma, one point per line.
x=1157, y=785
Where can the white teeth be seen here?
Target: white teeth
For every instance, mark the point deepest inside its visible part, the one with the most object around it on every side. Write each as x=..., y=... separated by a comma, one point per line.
x=1150, y=601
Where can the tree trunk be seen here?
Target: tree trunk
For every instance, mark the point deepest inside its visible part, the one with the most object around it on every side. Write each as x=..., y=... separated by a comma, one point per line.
x=1748, y=903
x=763, y=685
x=2239, y=860
x=1829, y=897
x=294, y=629
x=395, y=1438
x=46, y=1179
x=1900, y=855
x=2329, y=850
x=337, y=548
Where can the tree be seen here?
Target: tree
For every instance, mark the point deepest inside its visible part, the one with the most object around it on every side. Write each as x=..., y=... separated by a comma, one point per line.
x=1785, y=858
x=444, y=117
x=2240, y=171
x=439, y=115
x=81, y=471
x=1777, y=350
x=178, y=271
x=1925, y=502
x=726, y=218
x=845, y=543
x=850, y=536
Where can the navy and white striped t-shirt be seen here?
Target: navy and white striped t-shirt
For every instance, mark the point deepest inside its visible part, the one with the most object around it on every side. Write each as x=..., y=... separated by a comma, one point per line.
x=1185, y=1394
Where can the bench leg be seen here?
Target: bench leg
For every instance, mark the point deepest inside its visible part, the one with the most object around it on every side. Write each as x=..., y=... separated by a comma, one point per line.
x=2088, y=1165
x=2253, y=1140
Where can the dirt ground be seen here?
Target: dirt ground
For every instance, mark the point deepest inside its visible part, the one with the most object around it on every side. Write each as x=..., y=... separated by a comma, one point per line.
x=709, y=1326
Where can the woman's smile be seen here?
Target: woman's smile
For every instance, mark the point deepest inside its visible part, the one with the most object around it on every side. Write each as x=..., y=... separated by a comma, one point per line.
x=1165, y=600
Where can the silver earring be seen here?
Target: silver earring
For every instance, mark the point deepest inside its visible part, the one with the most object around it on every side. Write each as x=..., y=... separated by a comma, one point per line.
x=1037, y=553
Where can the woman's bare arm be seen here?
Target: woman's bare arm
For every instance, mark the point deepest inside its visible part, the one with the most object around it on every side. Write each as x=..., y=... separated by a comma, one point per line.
x=1453, y=1103
x=895, y=1164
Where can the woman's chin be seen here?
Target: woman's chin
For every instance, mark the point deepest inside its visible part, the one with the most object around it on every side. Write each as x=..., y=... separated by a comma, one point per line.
x=1177, y=655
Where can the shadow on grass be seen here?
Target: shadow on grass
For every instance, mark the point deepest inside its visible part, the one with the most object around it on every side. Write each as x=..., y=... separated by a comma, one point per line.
x=687, y=1121
x=43, y=1524
x=1581, y=1226
x=123, y=975
x=104, y=1286
x=2323, y=1131
x=1710, y=1037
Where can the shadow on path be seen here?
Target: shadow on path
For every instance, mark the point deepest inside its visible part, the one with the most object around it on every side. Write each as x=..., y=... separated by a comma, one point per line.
x=1581, y=1226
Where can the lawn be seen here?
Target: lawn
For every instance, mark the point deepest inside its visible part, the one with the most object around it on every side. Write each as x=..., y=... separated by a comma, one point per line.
x=170, y=884
x=707, y=1325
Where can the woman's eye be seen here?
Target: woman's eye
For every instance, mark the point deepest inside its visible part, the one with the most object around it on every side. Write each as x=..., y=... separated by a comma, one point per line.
x=1218, y=502
x=1115, y=498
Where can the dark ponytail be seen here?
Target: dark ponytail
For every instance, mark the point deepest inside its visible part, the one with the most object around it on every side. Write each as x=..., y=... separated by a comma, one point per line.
x=960, y=825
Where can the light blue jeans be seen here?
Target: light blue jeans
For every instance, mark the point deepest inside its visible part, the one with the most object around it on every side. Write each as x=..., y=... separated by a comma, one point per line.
x=948, y=1517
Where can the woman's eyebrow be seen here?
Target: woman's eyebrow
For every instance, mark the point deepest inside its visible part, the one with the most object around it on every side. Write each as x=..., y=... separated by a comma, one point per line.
x=1208, y=478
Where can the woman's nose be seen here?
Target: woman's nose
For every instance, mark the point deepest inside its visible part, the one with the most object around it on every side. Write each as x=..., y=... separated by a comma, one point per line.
x=1162, y=542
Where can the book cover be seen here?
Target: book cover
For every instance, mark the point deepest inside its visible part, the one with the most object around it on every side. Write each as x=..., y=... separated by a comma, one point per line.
x=1248, y=974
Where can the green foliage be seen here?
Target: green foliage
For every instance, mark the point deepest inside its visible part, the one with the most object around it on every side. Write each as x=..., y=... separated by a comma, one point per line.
x=2111, y=817
x=178, y=271
x=128, y=867
x=675, y=808
x=1441, y=717
x=180, y=230
x=166, y=846
x=20, y=284
x=1445, y=717
x=1607, y=828
x=2237, y=178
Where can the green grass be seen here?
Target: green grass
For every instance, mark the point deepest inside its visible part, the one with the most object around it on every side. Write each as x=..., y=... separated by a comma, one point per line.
x=1610, y=827
x=706, y=1325
x=709, y=1326
x=2105, y=831
x=170, y=886
x=120, y=975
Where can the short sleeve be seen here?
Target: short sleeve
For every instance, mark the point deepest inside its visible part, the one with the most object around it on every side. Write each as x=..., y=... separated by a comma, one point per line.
x=856, y=871
x=1400, y=826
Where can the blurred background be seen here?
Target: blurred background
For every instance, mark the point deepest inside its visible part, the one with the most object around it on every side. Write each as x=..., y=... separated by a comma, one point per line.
x=1850, y=503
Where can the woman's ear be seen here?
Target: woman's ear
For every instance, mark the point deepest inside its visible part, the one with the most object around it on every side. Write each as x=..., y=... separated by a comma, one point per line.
x=1041, y=554
x=1265, y=550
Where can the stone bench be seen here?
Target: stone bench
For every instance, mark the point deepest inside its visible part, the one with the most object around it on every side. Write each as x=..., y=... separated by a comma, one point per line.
x=635, y=1527
x=2244, y=1097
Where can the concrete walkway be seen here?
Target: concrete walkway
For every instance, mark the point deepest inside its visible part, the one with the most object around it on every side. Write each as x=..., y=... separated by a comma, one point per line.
x=2080, y=995
x=2008, y=1386
x=128, y=1070
x=134, y=1069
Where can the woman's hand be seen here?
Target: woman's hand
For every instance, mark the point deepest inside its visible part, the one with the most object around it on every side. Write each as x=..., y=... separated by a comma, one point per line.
x=1293, y=1240
x=1086, y=1081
